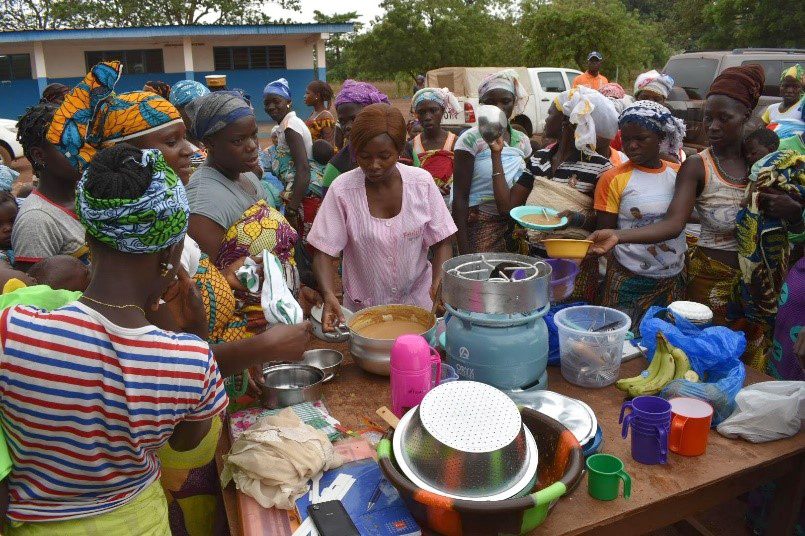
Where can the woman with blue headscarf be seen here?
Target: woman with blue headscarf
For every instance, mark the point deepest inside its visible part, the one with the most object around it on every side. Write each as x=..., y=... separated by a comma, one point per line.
x=291, y=162
x=432, y=150
x=636, y=194
x=183, y=93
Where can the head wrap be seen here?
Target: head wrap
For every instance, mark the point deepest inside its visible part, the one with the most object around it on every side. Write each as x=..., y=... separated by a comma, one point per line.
x=509, y=80
x=69, y=126
x=278, y=87
x=213, y=112
x=53, y=92
x=796, y=72
x=744, y=84
x=659, y=119
x=442, y=97
x=185, y=91
x=159, y=87
x=130, y=115
x=362, y=93
x=612, y=90
x=593, y=114
x=154, y=222
x=653, y=81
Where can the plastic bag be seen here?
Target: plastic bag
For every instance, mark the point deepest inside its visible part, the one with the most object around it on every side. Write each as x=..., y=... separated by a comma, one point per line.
x=553, y=332
x=277, y=300
x=714, y=353
x=766, y=411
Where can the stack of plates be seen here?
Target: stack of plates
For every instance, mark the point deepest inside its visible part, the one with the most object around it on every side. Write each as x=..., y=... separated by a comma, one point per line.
x=577, y=416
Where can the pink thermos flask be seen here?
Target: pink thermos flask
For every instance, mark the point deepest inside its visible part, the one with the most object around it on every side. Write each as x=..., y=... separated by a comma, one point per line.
x=412, y=372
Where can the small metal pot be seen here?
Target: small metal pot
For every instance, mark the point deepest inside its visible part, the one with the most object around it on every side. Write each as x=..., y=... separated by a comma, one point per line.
x=328, y=361
x=288, y=384
x=374, y=355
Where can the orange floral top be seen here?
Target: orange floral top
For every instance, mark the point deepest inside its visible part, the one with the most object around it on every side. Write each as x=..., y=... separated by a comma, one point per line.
x=316, y=123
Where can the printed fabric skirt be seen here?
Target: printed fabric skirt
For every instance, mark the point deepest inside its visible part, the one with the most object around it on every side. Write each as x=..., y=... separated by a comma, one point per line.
x=634, y=294
x=717, y=285
x=487, y=232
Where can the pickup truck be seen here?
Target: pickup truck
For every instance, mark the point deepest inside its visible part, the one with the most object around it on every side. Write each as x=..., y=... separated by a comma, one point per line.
x=693, y=72
x=541, y=83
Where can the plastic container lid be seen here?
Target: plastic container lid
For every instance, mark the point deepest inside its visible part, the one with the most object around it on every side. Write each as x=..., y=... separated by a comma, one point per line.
x=693, y=311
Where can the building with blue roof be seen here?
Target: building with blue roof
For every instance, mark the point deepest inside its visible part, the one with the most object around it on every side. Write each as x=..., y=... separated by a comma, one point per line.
x=249, y=56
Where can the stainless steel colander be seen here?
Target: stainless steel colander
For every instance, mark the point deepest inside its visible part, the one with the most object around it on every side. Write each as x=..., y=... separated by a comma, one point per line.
x=466, y=440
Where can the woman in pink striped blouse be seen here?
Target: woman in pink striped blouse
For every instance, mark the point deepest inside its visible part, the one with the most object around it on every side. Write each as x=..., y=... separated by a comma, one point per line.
x=384, y=217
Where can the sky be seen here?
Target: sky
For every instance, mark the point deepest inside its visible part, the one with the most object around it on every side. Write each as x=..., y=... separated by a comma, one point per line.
x=367, y=9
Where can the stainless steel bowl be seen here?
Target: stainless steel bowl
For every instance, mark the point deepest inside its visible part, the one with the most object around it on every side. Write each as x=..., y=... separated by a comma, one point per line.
x=466, y=440
x=288, y=384
x=374, y=355
x=328, y=361
x=491, y=122
x=473, y=283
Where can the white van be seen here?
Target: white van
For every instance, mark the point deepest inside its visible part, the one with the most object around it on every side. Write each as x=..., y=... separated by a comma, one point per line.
x=541, y=83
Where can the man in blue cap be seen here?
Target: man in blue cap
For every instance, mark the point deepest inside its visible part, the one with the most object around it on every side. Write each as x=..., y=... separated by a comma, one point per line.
x=592, y=78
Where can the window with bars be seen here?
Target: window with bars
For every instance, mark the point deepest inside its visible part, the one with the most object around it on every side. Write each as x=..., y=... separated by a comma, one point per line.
x=15, y=66
x=239, y=58
x=134, y=61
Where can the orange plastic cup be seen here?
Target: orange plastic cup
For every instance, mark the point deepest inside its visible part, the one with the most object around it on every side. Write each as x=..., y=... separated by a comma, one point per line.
x=690, y=426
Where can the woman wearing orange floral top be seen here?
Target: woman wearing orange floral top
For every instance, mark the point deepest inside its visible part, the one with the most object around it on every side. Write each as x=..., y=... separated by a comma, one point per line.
x=321, y=122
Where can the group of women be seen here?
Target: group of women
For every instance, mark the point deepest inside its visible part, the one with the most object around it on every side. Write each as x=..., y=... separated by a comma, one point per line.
x=111, y=402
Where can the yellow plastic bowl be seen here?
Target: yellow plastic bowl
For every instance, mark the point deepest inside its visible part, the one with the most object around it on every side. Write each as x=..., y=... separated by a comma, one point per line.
x=565, y=248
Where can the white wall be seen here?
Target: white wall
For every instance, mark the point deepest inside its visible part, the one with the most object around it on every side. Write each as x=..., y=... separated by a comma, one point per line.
x=65, y=59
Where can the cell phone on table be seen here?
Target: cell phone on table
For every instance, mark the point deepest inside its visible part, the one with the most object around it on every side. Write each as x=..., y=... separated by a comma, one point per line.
x=332, y=519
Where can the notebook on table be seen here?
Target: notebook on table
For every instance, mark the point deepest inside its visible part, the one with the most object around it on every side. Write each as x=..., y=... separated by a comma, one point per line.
x=360, y=483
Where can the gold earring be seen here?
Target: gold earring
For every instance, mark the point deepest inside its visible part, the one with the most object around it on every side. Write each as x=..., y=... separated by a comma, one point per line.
x=166, y=267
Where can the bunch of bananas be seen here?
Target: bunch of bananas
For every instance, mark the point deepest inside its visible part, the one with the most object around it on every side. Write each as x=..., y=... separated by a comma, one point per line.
x=669, y=364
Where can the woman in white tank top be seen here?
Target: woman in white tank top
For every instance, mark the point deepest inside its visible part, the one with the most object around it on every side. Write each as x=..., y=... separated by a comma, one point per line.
x=713, y=182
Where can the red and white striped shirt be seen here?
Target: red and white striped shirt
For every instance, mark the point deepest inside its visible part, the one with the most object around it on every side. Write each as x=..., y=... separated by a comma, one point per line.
x=385, y=260
x=86, y=404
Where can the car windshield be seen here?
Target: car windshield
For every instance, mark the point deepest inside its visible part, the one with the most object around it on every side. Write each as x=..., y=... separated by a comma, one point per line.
x=694, y=75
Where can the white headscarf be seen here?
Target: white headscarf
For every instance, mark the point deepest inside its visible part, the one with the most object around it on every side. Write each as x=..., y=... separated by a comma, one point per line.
x=593, y=114
x=509, y=80
x=653, y=81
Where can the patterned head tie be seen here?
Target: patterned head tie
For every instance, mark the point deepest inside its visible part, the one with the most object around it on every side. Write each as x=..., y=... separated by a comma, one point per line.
x=659, y=119
x=155, y=221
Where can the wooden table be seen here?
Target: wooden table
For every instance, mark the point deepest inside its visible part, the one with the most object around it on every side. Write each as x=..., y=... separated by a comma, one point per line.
x=661, y=494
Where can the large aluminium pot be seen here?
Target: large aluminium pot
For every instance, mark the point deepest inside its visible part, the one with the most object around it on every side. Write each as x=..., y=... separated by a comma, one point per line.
x=374, y=355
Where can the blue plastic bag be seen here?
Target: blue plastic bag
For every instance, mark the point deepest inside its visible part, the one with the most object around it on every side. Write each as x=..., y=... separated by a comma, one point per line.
x=714, y=353
x=553, y=332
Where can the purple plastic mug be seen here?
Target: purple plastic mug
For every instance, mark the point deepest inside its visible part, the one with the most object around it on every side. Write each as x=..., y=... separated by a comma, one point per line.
x=660, y=429
x=661, y=432
x=647, y=409
x=648, y=448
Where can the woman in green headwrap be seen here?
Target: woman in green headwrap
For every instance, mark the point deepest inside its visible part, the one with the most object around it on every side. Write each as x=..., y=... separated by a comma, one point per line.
x=189, y=478
x=108, y=360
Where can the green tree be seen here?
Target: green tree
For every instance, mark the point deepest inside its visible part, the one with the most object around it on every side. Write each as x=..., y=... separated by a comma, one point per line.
x=728, y=24
x=563, y=32
x=60, y=14
x=416, y=35
x=337, y=42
